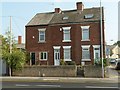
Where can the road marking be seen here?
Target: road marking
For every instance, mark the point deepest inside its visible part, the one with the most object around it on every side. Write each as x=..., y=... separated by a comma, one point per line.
x=98, y=87
x=48, y=85
x=21, y=85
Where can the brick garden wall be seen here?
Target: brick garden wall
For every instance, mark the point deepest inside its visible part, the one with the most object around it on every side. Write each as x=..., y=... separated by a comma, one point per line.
x=47, y=71
x=93, y=71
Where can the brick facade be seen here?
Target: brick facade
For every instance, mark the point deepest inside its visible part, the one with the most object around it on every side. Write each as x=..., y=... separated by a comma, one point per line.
x=54, y=37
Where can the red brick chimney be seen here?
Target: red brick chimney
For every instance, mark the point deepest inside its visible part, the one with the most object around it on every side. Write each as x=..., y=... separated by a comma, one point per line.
x=19, y=39
x=57, y=10
x=80, y=6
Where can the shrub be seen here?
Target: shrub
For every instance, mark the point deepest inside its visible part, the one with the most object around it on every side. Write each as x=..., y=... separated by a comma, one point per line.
x=70, y=63
x=99, y=62
x=62, y=62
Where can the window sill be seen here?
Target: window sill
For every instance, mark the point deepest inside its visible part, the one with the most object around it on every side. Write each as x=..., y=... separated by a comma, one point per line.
x=67, y=60
x=86, y=59
x=66, y=41
x=41, y=41
x=86, y=40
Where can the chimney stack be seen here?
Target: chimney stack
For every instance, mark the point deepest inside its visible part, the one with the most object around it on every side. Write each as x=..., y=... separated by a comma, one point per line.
x=57, y=10
x=80, y=6
x=19, y=39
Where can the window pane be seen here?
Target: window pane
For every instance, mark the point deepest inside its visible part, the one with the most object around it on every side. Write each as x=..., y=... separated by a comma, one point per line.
x=56, y=56
x=85, y=34
x=45, y=55
x=85, y=54
x=67, y=54
x=96, y=55
x=42, y=35
x=66, y=34
x=41, y=55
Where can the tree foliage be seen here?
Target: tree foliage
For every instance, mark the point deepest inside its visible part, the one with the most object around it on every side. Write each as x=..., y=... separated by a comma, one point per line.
x=14, y=60
x=117, y=43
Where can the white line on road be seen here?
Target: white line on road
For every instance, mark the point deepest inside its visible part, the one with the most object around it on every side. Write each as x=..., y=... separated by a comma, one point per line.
x=98, y=87
x=48, y=85
x=21, y=85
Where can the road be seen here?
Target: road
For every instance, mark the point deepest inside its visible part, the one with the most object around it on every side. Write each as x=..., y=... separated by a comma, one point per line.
x=17, y=84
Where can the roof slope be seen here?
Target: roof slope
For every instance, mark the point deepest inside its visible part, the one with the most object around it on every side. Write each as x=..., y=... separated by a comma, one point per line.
x=74, y=16
x=41, y=19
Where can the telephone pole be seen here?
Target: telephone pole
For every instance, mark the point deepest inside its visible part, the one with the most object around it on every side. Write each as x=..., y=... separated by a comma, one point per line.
x=10, y=34
x=10, y=42
x=101, y=29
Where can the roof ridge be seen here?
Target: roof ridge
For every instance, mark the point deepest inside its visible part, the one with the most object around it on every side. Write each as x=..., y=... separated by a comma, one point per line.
x=68, y=10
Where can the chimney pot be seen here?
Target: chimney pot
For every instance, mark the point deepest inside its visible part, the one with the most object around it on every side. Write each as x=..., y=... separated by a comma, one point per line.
x=57, y=10
x=80, y=6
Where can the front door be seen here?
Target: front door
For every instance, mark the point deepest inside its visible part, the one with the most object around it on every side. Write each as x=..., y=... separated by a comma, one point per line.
x=56, y=57
x=33, y=58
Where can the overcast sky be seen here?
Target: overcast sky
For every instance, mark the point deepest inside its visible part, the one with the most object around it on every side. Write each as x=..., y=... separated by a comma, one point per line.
x=22, y=12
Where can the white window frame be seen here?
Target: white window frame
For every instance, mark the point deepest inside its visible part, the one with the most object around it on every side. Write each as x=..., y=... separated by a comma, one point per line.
x=96, y=46
x=83, y=29
x=42, y=30
x=67, y=48
x=43, y=56
x=86, y=47
x=64, y=33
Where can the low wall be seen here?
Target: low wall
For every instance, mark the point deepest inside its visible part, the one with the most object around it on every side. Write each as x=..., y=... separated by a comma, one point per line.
x=93, y=71
x=47, y=71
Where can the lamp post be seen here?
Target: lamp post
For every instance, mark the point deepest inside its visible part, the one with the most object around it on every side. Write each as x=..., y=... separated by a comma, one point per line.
x=101, y=27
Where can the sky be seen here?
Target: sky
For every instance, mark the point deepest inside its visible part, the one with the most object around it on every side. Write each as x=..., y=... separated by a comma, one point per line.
x=23, y=11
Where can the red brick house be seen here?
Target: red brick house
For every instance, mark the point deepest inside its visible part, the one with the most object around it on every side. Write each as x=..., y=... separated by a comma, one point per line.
x=72, y=35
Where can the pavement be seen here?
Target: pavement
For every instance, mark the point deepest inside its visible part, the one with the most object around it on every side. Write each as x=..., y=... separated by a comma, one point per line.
x=111, y=72
x=61, y=79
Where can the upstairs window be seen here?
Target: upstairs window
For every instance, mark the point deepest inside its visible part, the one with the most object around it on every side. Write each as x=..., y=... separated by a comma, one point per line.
x=66, y=34
x=85, y=33
x=42, y=35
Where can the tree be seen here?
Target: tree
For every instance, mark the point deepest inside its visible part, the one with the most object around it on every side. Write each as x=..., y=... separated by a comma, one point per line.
x=117, y=43
x=14, y=60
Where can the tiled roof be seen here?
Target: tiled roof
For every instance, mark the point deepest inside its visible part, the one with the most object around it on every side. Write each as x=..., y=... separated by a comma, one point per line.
x=73, y=16
x=41, y=19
